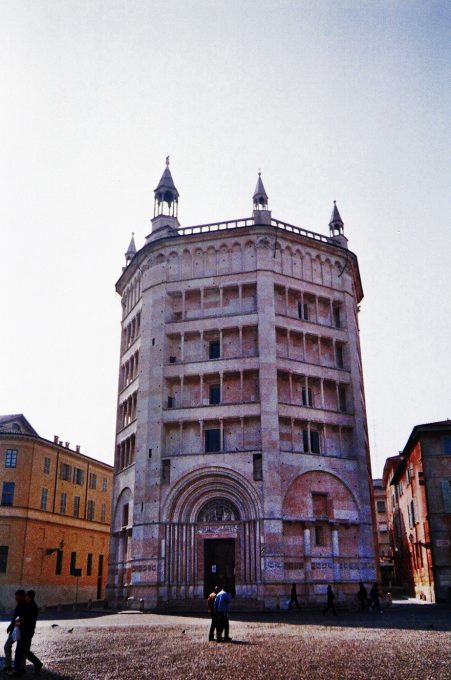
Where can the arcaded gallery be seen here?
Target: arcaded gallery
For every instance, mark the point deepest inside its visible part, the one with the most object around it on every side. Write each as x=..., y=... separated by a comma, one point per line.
x=241, y=443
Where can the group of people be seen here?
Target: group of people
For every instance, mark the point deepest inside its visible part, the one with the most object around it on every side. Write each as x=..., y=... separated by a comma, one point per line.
x=218, y=603
x=20, y=631
x=373, y=601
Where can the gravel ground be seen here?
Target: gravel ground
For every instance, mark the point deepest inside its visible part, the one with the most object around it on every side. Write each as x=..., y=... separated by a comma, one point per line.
x=414, y=644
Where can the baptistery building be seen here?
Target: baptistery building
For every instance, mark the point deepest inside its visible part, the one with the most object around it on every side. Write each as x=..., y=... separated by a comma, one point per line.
x=241, y=446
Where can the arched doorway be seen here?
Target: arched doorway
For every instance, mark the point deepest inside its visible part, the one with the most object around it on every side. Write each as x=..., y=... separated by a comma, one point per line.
x=212, y=534
x=219, y=551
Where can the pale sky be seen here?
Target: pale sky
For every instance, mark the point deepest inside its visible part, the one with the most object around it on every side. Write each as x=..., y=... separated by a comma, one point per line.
x=331, y=99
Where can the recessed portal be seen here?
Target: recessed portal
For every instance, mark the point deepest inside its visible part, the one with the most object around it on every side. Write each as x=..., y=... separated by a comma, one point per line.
x=219, y=564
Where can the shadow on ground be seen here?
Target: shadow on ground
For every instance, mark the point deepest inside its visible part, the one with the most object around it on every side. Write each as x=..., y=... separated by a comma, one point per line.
x=405, y=616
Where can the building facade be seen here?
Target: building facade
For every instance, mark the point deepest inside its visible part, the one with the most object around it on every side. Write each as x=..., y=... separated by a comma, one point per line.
x=55, y=512
x=418, y=484
x=384, y=547
x=242, y=450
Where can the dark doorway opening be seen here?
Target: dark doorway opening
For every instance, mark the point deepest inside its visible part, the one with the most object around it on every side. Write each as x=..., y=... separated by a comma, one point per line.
x=219, y=564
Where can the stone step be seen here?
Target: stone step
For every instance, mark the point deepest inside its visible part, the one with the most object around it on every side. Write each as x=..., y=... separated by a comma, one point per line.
x=200, y=605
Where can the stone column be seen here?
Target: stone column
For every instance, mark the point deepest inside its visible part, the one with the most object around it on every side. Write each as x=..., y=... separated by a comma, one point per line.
x=336, y=553
x=307, y=556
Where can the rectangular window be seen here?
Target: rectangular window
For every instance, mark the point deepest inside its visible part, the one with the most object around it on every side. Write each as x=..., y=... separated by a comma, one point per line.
x=44, y=497
x=446, y=494
x=319, y=504
x=104, y=484
x=100, y=566
x=215, y=394
x=337, y=316
x=66, y=472
x=212, y=440
x=73, y=563
x=314, y=441
x=307, y=397
x=46, y=466
x=3, y=558
x=319, y=536
x=447, y=444
x=8, y=493
x=89, y=565
x=303, y=311
x=170, y=402
x=339, y=356
x=381, y=506
x=91, y=511
x=76, y=506
x=59, y=563
x=11, y=458
x=79, y=476
x=214, y=349
x=63, y=502
x=92, y=480
x=305, y=440
x=342, y=398
x=165, y=471
x=103, y=513
x=125, y=513
x=257, y=467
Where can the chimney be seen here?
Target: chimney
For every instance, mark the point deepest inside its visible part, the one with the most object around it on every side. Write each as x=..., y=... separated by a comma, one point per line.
x=55, y=439
x=77, y=448
x=67, y=444
x=60, y=442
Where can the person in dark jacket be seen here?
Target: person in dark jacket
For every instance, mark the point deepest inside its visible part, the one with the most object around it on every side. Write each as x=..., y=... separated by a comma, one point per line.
x=20, y=605
x=293, y=597
x=27, y=628
x=330, y=601
x=362, y=596
x=374, y=596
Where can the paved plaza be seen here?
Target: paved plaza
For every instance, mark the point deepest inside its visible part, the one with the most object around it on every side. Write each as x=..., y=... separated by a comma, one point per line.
x=408, y=641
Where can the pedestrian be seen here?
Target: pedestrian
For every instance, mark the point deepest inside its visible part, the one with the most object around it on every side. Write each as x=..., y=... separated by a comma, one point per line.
x=330, y=601
x=375, y=598
x=20, y=605
x=362, y=596
x=293, y=597
x=222, y=606
x=27, y=628
x=211, y=610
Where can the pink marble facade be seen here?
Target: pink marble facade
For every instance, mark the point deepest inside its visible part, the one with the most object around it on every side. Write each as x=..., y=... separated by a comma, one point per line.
x=241, y=383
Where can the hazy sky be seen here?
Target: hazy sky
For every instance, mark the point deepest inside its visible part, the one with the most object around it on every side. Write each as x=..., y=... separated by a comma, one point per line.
x=332, y=99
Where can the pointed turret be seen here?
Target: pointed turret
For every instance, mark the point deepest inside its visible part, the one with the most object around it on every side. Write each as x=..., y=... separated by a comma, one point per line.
x=166, y=194
x=131, y=250
x=260, y=197
x=336, y=227
x=260, y=200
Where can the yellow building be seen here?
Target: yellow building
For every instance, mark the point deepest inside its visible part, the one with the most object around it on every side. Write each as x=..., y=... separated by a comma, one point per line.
x=55, y=510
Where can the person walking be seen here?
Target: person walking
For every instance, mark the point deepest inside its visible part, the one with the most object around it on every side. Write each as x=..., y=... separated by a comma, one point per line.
x=362, y=596
x=375, y=598
x=17, y=614
x=211, y=610
x=222, y=606
x=27, y=627
x=293, y=597
x=330, y=601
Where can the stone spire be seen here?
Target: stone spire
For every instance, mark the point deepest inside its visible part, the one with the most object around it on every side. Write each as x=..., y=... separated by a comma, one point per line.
x=260, y=197
x=166, y=194
x=165, y=210
x=260, y=200
x=131, y=250
x=336, y=226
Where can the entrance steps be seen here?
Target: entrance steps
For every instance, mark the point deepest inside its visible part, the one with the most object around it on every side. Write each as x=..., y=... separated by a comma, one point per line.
x=199, y=605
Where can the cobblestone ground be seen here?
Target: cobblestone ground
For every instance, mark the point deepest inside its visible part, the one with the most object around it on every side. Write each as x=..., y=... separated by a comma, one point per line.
x=409, y=642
